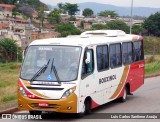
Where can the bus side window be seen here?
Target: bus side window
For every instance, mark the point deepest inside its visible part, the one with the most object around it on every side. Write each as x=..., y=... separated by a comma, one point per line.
x=138, y=51
x=87, y=68
x=102, y=58
x=127, y=53
x=115, y=55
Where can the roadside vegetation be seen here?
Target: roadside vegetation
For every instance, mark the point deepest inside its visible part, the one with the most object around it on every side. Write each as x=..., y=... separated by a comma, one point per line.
x=152, y=55
x=152, y=66
x=8, y=84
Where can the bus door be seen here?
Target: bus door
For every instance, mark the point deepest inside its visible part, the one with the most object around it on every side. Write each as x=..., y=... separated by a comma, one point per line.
x=89, y=82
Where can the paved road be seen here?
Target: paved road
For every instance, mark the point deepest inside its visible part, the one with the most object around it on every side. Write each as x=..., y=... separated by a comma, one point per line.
x=145, y=100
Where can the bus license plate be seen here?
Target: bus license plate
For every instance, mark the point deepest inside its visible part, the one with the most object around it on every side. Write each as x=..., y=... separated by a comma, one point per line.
x=43, y=104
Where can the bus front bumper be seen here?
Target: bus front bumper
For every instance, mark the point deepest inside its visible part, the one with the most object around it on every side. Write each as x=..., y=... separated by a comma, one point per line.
x=67, y=105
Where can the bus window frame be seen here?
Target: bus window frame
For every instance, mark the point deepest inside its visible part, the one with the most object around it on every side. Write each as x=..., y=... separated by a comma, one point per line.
x=132, y=53
x=107, y=57
x=83, y=76
x=142, y=51
x=120, y=56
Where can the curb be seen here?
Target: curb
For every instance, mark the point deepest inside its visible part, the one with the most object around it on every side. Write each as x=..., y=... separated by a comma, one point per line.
x=156, y=75
x=12, y=110
x=9, y=111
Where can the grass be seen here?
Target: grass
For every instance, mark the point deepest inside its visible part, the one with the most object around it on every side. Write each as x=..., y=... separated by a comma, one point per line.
x=152, y=68
x=151, y=45
x=9, y=98
x=152, y=65
x=8, y=82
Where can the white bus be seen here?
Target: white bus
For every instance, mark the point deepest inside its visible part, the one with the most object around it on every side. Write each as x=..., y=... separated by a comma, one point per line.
x=79, y=73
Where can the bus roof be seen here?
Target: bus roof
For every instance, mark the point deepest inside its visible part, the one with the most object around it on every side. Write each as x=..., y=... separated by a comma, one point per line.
x=97, y=37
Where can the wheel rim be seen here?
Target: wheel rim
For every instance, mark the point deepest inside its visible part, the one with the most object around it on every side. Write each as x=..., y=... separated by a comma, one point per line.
x=125, y=94
x=83, y=109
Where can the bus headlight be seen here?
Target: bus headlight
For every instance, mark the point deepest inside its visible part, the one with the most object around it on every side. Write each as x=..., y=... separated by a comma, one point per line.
x=22, y=91
x=68, y=92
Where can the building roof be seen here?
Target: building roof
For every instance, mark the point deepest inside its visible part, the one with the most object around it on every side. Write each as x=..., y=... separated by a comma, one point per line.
x=12, y=19
x=7, y=7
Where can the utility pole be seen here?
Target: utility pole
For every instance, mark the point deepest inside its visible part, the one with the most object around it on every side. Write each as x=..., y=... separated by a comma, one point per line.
x=17, y=54
x=131, y=18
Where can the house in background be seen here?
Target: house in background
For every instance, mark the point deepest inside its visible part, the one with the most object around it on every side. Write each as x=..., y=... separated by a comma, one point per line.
x=6, y=10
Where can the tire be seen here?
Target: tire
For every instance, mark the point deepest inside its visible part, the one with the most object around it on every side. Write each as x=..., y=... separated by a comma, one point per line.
x=124, y=97
x=35, y=112
x=86, y=109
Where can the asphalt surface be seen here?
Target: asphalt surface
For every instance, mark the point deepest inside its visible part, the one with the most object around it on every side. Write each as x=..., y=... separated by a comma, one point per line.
x=145, y=100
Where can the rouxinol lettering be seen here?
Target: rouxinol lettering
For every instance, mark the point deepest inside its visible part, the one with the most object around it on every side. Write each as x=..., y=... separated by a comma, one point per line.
x=105, y=79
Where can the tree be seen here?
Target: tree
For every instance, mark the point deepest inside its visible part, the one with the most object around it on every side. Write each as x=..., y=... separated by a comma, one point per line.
x=151, y=24
x=54, y=16
x=41, y=15
x=8, y=47
x=25, y=10
x=137, y=29
x=72, y=18
x=16, y=11
x=108, y=13
x=67, y=29
x=118, y=25
x=99, y=27
x=71, y=8
x=87, y=12
x=8, y=1
x=62, y=8
x=82, y=23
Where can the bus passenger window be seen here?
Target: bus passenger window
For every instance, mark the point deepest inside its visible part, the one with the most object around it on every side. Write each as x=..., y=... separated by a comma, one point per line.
x=138, y=51
x=115, y=55
x=127, y=53
x=102, y=58
x=88, y=68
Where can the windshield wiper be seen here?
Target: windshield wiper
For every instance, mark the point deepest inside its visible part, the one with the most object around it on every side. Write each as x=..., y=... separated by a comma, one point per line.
x=55, y=70
x=40, y=71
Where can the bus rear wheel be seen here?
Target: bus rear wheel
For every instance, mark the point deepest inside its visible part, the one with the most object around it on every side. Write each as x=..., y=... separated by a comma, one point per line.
x=124, y=97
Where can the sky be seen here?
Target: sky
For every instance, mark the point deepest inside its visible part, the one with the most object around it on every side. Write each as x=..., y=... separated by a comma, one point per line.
x=136, y=3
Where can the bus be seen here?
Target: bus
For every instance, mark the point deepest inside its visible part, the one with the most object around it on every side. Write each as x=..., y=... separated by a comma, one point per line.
x=78, y=73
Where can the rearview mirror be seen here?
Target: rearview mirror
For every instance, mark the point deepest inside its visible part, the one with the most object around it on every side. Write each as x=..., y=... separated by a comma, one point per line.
x=88, y=59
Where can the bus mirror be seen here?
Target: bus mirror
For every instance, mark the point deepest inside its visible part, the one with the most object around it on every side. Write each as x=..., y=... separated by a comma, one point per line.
x=88, y=59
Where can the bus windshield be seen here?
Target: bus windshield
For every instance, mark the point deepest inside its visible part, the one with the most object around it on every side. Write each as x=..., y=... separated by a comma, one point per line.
x=51, y=63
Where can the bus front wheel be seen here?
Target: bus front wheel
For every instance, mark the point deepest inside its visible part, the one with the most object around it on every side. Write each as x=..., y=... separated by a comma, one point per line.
x=86, y=108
